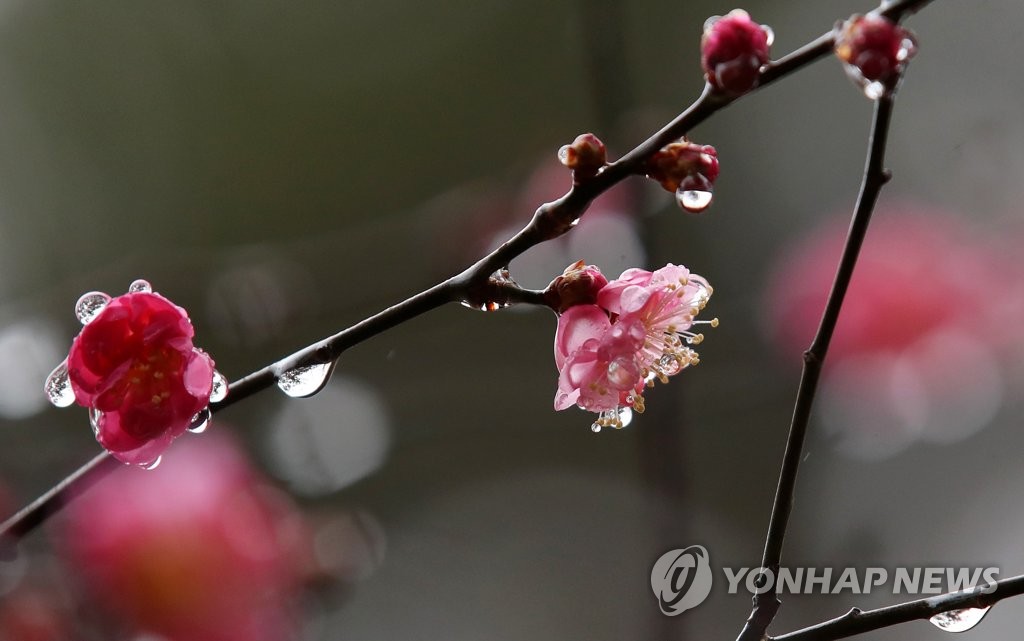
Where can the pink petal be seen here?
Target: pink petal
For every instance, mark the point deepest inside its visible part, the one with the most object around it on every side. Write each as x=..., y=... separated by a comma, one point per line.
x=576, y=326
x=199, y=375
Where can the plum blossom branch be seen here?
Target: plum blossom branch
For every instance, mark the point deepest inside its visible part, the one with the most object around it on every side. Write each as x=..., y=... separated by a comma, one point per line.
x=875, y=176
x=549, y=221
x=858, y=621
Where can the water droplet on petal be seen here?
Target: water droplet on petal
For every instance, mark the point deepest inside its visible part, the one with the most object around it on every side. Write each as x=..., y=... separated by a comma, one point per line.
x=595, y=428
x=710, y=22
x=58, y=386
x=140, y=285
x=306, y=380
x=693, y=200
x=95, y=419
x=769, y=33
x=219, y=391
x=152, y=465
x=908, y=47
x=200, y=421
x=959, y=620
x=90, y=305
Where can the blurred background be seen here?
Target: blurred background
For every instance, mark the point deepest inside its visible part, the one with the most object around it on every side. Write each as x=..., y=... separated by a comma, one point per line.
x=283, y=170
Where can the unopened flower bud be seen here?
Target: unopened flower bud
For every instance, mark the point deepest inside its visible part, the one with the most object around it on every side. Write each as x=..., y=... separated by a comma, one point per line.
x=732, y=51
x=585, y=156
x=676, y=162
x=578, y=285
x=874, y=51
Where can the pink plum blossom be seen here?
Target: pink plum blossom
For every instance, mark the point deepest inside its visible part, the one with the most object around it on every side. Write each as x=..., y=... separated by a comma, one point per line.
x=637, y=332
x=134, y=365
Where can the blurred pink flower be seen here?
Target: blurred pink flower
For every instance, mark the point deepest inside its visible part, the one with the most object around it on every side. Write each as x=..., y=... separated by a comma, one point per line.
x=918, y=271
x=29, y=614
x=637, y=332
x=200, y=549
x=914, y=354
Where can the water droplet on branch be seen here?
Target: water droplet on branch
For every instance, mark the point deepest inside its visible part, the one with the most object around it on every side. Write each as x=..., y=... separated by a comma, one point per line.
x=58, y=386
x=219, y=391
x=90, y=305
x=959, y=620
x=305, y=380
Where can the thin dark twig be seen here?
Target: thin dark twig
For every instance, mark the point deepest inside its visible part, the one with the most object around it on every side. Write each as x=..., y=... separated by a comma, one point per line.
x=875, y=176
x=858, y=621
x=549, y=221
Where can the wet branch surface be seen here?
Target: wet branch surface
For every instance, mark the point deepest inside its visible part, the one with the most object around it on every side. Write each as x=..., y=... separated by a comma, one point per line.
x=858, y=621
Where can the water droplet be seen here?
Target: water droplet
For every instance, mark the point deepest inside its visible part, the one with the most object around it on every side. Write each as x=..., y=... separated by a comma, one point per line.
x=692, y=200
x=58, y=386
x=874, y=90
x=219, y=391
x=575, y=221
x=90, y=305
x=959, y=620
x=306, y=380
x=200, y=421
x=769, y=33
x=626, y=416
x=694, y=193
x=563, y=155
x=140, y=285
x=595, y=428
x=95, y=420
x=908, y=47
x=489, y=306
x=710, y=22
x=152, y=465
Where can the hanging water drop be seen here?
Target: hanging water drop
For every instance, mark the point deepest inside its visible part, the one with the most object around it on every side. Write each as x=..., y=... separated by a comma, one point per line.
x=219, y=391
x=90, y=305
x=769, y=34
x=152, y=465
x=58, y=386
x=625, y=417
x=306, y=380
x=595, y=428
x=959, y=620
x=200, y=421
x=693, y=200
x=139, y=286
